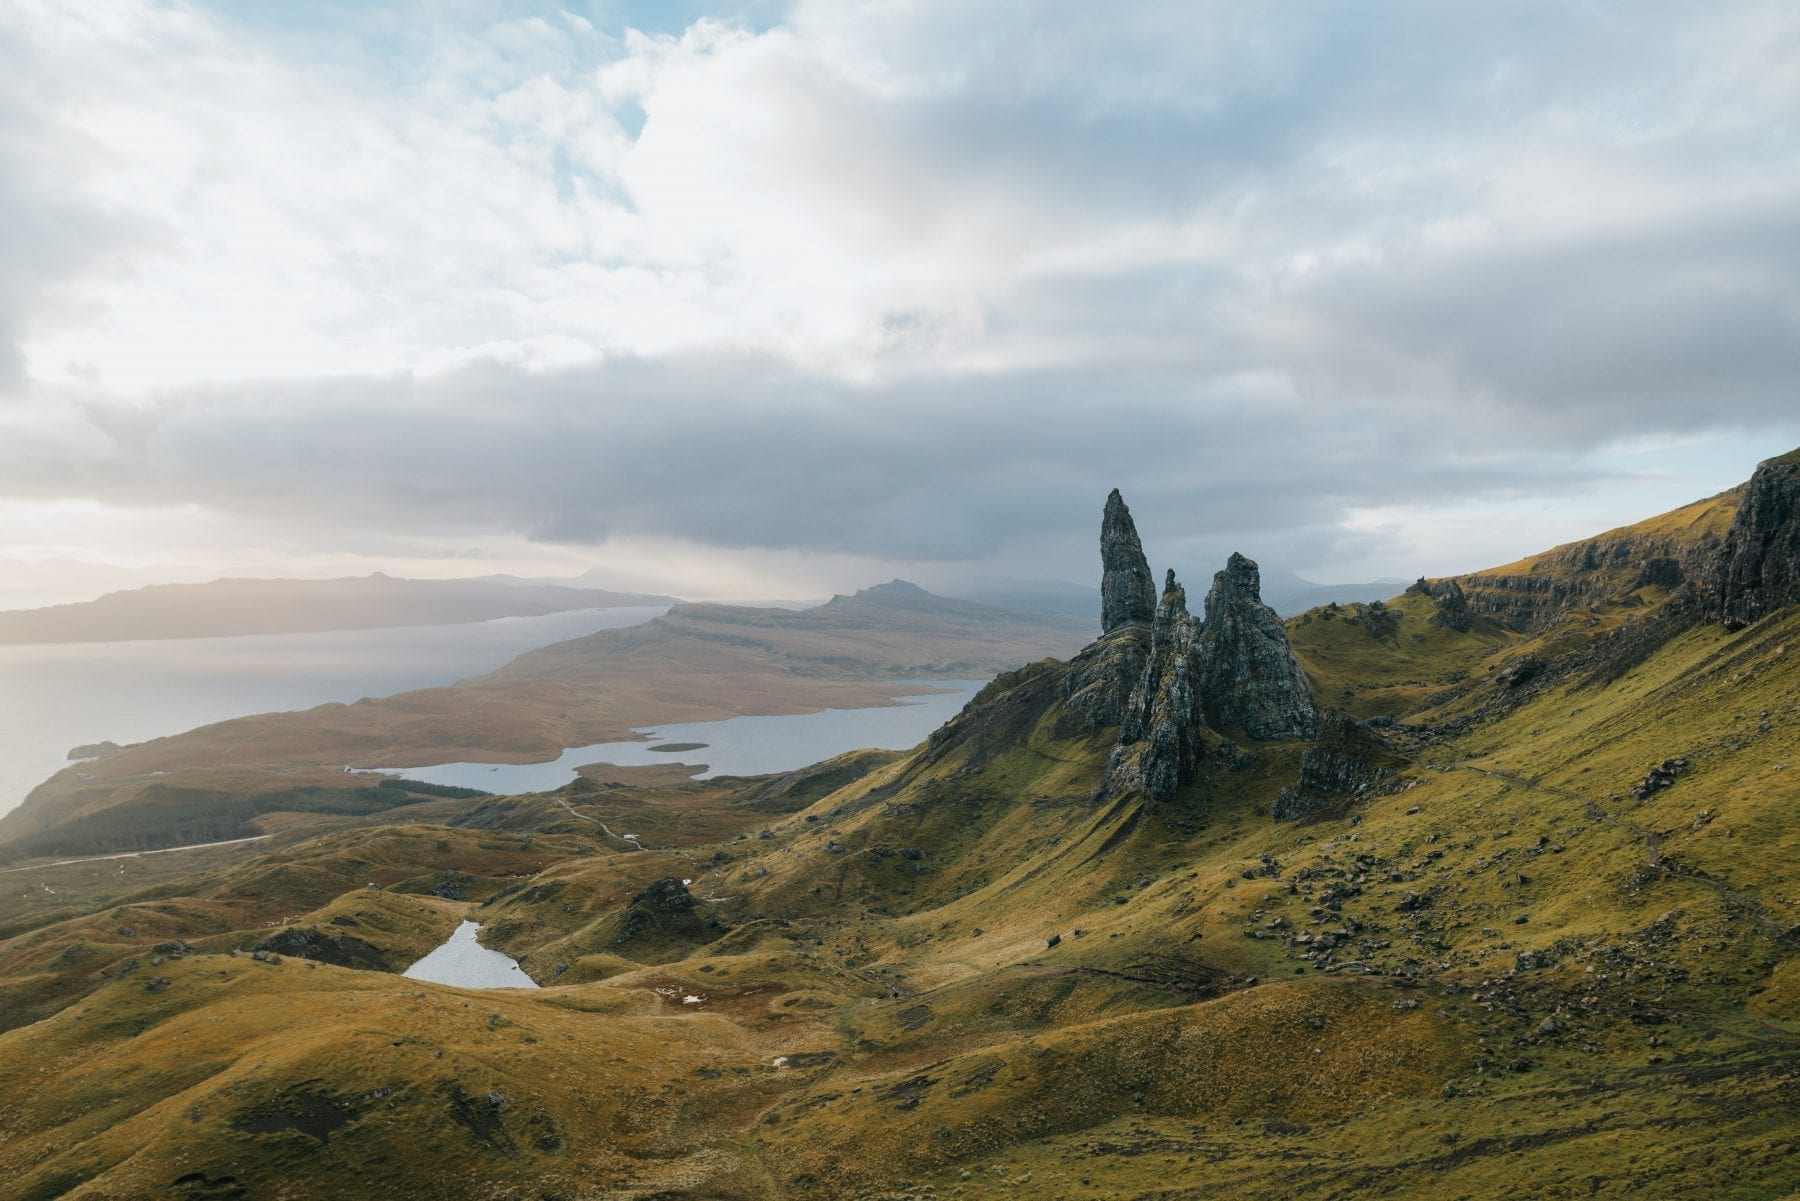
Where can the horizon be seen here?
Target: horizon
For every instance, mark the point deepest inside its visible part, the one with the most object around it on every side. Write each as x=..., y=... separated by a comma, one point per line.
x=758, y=299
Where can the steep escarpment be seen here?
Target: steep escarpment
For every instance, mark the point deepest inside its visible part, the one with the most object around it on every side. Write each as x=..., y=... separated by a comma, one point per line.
x=1760, y=568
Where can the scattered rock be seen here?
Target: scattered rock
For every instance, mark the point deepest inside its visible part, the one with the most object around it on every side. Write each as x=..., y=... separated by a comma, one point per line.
x=1660, y=777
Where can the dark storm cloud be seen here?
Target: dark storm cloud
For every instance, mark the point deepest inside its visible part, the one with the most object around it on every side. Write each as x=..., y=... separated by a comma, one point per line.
x=747, y=453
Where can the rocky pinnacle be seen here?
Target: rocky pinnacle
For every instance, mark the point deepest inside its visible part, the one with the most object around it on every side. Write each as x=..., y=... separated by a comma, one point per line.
x=1249, y=679
x=1127, y=590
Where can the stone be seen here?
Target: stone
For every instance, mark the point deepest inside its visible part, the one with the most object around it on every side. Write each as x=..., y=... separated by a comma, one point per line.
x=1659, y=778
x=1127, y=589
x=1760, y=570
x=1521, y=672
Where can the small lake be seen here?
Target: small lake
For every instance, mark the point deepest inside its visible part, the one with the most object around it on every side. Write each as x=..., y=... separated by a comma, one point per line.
x=736, y=746
x=60, y=695
x=465, y=963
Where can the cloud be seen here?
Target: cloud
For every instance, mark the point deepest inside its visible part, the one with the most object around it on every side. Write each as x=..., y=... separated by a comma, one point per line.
x=907, y=280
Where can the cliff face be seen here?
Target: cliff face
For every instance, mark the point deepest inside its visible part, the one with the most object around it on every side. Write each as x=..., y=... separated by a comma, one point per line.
x=1679, y=548
x=1760, y=562
x=1347, y=762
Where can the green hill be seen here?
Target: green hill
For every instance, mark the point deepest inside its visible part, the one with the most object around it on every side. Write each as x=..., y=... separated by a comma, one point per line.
x=1510, y=909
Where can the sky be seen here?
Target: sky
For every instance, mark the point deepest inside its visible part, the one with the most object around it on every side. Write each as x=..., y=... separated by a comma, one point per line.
x=782, y=299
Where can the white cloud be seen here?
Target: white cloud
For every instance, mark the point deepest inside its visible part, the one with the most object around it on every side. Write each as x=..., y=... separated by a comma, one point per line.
x=926, y=261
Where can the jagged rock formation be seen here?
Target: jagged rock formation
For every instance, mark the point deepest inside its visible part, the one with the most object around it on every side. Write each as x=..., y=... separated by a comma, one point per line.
x=1234, y=671
x=1348, y=761
x=1760, y=569
x=1127, y=589
x=1159, y=738
x=1248, y=676
x=1170, y=686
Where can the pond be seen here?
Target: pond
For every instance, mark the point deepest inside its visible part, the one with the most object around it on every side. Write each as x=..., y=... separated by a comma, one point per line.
x=465, y=963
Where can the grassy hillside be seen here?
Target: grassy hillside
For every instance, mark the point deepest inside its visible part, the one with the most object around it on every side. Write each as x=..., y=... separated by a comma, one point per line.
x=1524, y=962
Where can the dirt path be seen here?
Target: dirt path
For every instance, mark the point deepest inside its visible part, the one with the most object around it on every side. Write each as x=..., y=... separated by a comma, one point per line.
x=192, y=846
x=629, y=840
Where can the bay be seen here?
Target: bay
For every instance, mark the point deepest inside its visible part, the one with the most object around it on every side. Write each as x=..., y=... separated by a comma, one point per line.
x=61, y=695
x=736, y=746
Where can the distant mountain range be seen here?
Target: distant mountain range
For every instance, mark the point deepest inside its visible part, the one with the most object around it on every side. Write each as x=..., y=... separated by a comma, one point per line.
x=224, y=607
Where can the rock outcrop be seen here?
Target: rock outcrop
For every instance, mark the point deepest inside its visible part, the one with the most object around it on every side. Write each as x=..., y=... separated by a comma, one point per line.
x=1761, y=559
x=1347, y=762
x=1127, y=589
x=1099, y=681
x=1453, y=611
x=1248, y=678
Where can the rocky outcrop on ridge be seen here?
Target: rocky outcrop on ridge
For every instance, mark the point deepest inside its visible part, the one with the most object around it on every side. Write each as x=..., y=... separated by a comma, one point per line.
x=1127, y=589
x=1347, y=762
x=1453, y=611
x=1099, y=681
x=1760, y=569
x=1248, y=678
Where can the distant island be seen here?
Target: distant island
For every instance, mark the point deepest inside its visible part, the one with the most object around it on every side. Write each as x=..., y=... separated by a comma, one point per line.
x=235, y=606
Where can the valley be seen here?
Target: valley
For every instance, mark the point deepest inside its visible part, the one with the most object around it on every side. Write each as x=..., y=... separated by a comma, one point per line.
x=1487, y=888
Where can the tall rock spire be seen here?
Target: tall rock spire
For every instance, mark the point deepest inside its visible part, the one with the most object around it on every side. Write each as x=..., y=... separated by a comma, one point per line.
x=1127, y=590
